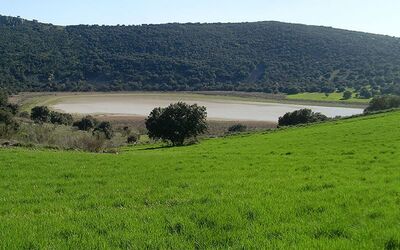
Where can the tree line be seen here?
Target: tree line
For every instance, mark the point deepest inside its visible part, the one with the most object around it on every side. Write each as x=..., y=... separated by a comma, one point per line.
x=267, y=57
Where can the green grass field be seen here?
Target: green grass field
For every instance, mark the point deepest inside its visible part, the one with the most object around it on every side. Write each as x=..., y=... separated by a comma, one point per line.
x=333, y=97
x=326, y=186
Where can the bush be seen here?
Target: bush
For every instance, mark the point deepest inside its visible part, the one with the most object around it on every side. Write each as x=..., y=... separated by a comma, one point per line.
x=177, y=122
x=25, y=115
x=91, y=143
x=6, y=117
x=5, y=105
x=40, y=114
x=132, y=139
x=302, y=116
x=383, y=103
x=86, y=123
x=347, y=95
x=365, y=93
x=237, y=128
x=8, y=123
x=61, y=118
x=60, y=137
x=104, y=128
x=126, y=131
x=12, y=108
x=3, y=98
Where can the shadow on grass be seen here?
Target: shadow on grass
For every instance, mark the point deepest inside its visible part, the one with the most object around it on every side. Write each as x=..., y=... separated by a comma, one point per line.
x=165, y=146
x=159, y=147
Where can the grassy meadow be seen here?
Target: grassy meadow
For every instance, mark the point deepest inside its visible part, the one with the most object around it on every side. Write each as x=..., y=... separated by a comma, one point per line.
x=326, y=186
x=321, y=97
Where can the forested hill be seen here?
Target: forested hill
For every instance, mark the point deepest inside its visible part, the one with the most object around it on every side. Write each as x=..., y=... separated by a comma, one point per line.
x=262, y=56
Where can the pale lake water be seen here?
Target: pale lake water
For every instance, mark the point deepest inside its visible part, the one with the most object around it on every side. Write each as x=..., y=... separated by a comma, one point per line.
x=142, y=105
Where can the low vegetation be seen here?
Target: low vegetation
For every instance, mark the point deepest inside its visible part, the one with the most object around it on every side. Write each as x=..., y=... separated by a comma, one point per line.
x=302, y=116
x=8, y=123
x=87, y=123
x=46, y=128
x=324, y=186
x=383, y=103
x=237, y=128
x=336, y=97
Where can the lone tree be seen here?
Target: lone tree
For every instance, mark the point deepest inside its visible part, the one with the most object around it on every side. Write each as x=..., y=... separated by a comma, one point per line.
x=177, y=122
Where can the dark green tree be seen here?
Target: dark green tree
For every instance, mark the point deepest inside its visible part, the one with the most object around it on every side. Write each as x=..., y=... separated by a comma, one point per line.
x=104, y=128
x=86, y=123
x=5, y=105
x=61, y=118
x=302, y=116
x=3, y=98
x=6, y=117
x=237, y=128
x=365, y=93
x=132, y=139
x=8, y=122
x=177, y=122
x=347, y=95
x=40, y=114
x=383, y=103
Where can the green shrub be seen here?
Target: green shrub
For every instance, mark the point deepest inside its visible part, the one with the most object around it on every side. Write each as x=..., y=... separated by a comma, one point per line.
x=132, y=139
x=3, y=98
x=40, y=114
x=347, y=95
x=6, y=117
x=237, y=128
x=12, y=108
x=104, y=128
x=61, y=118
x=61, y=137
x=126, y=131
x=8, y=125
x=87, y=123
x=383, y=103
x=302, y=116
x=25, y=115
x=365, y=93
x=91, y=143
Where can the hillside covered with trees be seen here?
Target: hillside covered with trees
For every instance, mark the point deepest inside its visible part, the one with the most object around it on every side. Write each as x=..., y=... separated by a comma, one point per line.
x=270, y=57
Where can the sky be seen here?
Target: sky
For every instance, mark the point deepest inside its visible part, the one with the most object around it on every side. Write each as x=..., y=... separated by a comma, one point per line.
x=374, y=16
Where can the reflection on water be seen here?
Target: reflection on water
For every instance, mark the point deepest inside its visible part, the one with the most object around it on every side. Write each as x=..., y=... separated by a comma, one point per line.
x=142, y=105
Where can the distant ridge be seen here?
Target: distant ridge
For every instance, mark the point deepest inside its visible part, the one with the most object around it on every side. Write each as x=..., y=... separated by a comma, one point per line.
x=261, y=56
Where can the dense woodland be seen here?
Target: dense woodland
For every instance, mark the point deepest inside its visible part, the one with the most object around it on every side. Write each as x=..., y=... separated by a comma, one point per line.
x=270, y=57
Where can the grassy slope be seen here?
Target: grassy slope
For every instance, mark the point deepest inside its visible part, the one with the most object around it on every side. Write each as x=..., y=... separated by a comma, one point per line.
x=333, y=97
x=332, y=185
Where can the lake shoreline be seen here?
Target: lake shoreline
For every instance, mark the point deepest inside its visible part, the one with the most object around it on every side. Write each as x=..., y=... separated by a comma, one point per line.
x=30, y=99
x=219, y=108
